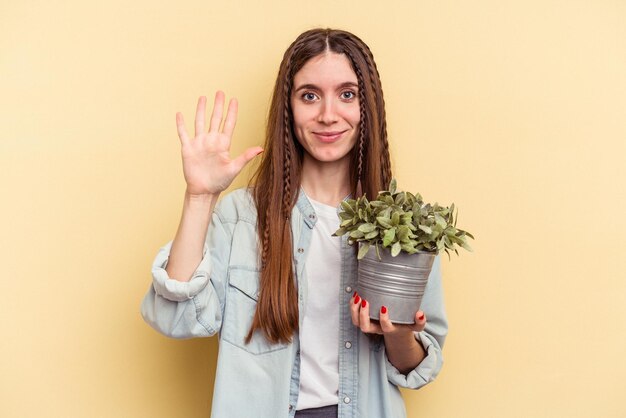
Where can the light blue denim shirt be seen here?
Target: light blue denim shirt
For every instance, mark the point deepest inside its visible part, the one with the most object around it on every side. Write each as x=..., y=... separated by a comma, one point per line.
x=259, y=379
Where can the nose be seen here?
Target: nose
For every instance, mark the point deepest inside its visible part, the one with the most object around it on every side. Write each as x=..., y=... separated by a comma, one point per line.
x=328, y=111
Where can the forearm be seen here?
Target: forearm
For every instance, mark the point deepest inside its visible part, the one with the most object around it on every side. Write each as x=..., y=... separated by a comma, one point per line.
x=188, y=244
x=404, y=351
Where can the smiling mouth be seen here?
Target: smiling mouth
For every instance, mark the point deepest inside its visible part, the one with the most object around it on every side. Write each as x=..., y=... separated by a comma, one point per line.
x=329, y=136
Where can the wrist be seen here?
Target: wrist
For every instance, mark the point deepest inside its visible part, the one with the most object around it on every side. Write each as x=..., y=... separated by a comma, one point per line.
x=403, y=338
x=201, y=197
x=205, y=201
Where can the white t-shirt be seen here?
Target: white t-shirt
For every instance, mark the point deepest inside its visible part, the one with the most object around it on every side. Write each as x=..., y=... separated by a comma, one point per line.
x=319, y=335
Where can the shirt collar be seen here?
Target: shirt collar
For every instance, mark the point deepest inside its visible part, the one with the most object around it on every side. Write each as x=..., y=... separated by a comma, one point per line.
x=306, y=209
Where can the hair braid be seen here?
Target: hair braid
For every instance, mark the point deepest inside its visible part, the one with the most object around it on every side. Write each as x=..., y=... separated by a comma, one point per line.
x=266, y=230
x=375, y=75
x=386, y=158
x=361, y=144
x=287, y=139
x=362, y=125
x=287, y=158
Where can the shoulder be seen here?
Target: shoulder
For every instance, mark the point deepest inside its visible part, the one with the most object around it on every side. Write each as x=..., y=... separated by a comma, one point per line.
x=236, y=206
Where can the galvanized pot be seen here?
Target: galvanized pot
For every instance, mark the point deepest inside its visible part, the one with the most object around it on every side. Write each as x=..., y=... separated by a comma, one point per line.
x=395, y=282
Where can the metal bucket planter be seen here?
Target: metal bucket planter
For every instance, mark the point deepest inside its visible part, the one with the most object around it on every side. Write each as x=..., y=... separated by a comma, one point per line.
x=395, y=282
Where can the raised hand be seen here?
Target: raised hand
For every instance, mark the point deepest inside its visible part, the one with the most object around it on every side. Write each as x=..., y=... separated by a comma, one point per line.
x=207, y=164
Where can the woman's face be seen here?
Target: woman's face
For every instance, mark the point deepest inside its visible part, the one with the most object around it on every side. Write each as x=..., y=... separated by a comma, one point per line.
x=325, y=104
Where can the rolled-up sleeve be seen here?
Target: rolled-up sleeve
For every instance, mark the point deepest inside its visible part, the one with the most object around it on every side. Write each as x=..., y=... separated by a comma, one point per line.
x=190, y=309
x=432, y=338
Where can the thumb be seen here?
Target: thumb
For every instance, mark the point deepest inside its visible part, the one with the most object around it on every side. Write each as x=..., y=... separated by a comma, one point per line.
x=246, y=157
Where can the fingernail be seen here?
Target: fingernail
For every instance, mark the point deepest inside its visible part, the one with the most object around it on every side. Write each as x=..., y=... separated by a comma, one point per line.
x=421, y=317
x=383, y=309
x=363, y=303
x=354, y=294
x=357, y=299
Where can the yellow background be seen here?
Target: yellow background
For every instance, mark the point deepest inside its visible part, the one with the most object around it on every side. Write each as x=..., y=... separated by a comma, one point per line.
x=515, y=111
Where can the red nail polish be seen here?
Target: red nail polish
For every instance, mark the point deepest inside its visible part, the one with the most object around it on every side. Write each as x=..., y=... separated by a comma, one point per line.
x=421, y=317
x=357, y=299
x=383, y=309
x=354, y=294
x=363, y=303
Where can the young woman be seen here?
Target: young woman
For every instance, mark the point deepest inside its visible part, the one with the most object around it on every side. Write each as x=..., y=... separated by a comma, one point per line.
x=262, y=269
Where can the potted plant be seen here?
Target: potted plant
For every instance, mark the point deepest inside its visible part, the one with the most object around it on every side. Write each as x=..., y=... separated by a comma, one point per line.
x=399, y=237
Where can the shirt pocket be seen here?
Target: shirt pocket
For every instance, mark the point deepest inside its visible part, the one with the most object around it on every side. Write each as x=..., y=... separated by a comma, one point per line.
x=241, y=300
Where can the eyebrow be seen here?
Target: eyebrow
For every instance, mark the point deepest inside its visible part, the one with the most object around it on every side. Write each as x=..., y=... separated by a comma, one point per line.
x=314, y=87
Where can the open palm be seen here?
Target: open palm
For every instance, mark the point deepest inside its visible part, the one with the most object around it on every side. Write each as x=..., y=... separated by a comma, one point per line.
x=207, y=164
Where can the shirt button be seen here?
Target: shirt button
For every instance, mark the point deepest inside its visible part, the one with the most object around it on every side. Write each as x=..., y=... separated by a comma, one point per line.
x=300, y=250
x=290, y=407
x=312, y=216
x=348, y=289
x=346, y=400
x=348, y=344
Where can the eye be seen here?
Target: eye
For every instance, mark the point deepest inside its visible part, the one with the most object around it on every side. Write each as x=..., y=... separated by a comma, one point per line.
x=348, y=95
x=309, y=97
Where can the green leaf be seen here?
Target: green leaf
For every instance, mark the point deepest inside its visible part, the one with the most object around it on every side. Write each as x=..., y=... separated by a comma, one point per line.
x=395, y=219
x=344, y=215
x=390, y=234
x=467, y=246
x=371, y=235
x=340, y=232
x=425, y=229
x=408, y=248
x=365, y=228
x=395, y=249
x=346, y=222
x=356, y=234
x=384, y=222
x=346, y=207
x=440, y=221
x=403, y=233
x=392, y=186
x=363, y=250
x=452, y=213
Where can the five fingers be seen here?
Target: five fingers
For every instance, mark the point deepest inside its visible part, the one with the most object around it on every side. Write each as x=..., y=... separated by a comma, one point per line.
x=360, y=314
